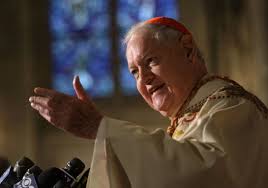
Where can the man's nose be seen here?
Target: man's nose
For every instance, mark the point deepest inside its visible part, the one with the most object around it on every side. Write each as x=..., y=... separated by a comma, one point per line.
x=146, y=76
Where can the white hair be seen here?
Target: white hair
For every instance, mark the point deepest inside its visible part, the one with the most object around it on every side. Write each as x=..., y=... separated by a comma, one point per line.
x=162, y=33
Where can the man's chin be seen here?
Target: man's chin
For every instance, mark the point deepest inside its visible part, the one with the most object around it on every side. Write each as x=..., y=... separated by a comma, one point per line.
x=167, y=112
x=163, y=109
x=164, y=113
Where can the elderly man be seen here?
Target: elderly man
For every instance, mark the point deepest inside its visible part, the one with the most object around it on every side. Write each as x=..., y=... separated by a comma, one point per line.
x=217, y=136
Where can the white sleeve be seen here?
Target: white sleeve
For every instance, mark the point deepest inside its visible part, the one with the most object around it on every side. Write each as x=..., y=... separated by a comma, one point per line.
x=126, y=155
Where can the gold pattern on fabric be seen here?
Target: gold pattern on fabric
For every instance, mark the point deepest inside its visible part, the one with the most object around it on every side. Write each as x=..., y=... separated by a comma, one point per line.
x=183, y=123
x=231, y=91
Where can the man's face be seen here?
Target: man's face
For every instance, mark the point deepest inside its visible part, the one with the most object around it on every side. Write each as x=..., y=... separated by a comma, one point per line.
x=162, y=72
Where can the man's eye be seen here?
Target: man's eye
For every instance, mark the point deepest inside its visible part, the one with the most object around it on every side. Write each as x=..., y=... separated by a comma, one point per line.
x=151, y=61
x=134, y=72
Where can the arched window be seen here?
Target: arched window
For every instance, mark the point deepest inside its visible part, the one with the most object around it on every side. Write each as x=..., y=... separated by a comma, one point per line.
x=81, y=41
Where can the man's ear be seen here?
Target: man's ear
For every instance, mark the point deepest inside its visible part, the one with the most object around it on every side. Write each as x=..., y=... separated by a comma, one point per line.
x=188, y=46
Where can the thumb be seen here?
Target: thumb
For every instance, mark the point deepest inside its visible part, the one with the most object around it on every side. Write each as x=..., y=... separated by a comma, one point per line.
x=79, y=90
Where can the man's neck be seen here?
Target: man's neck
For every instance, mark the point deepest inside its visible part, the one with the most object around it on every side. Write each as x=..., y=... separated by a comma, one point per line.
x=189, y=95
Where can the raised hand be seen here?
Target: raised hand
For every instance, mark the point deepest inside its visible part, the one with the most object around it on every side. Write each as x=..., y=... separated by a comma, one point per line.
x=77, y=115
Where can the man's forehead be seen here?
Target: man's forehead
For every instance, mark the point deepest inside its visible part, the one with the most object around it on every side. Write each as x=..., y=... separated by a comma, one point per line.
x=140, y=38
x=141, y=42
x=138, y=51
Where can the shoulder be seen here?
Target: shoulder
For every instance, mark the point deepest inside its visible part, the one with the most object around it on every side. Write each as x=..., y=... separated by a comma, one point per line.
x=229, y=96
x=227, y=106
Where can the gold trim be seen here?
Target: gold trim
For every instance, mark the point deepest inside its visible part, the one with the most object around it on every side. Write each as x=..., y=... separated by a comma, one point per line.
x=231, y=91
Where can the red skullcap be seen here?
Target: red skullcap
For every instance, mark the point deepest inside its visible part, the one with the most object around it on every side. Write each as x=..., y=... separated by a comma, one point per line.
x=170, y=23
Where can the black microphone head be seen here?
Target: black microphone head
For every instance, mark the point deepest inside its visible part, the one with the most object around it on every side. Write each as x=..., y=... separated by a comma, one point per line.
x=4, y=164
x=35, y=170
x=74, y=167
x=82, y=183
x=50, y=177
x=22, y=166
x=9, y=177
x=61, y=184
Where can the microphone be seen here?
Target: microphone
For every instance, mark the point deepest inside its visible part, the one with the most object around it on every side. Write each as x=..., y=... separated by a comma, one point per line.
x=4, y=165
x=12, y=175
x=35, y=170
x=22, y=166
x=71, y=171
x=82, y=183
x=49, y=177
x=29, y=179
x=8, y=176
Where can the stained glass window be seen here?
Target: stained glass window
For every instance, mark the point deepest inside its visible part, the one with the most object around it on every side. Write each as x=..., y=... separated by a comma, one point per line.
x=81, y=44
x=130, y=12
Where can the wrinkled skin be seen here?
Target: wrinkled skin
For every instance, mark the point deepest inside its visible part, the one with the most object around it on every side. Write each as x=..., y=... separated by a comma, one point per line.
x=164, y=73
x=75, y=114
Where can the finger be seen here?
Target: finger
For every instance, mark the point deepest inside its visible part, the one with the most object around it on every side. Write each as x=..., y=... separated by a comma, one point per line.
x=44, y=101
x=50, y=103
x=41, y=109
x=46, y=92
x=47, y=117
x=79, y=90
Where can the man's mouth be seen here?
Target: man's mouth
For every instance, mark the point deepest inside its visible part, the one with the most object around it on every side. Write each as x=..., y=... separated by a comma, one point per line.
x=154, y=89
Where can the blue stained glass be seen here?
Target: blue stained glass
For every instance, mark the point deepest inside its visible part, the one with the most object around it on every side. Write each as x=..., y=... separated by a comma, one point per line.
x=80, y=45
x=130, y=12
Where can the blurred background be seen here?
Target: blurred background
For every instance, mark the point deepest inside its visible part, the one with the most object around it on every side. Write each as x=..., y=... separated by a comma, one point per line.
x=46, y=43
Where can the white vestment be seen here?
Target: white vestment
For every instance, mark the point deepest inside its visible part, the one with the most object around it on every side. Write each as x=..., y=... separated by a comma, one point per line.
x=224, y=144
